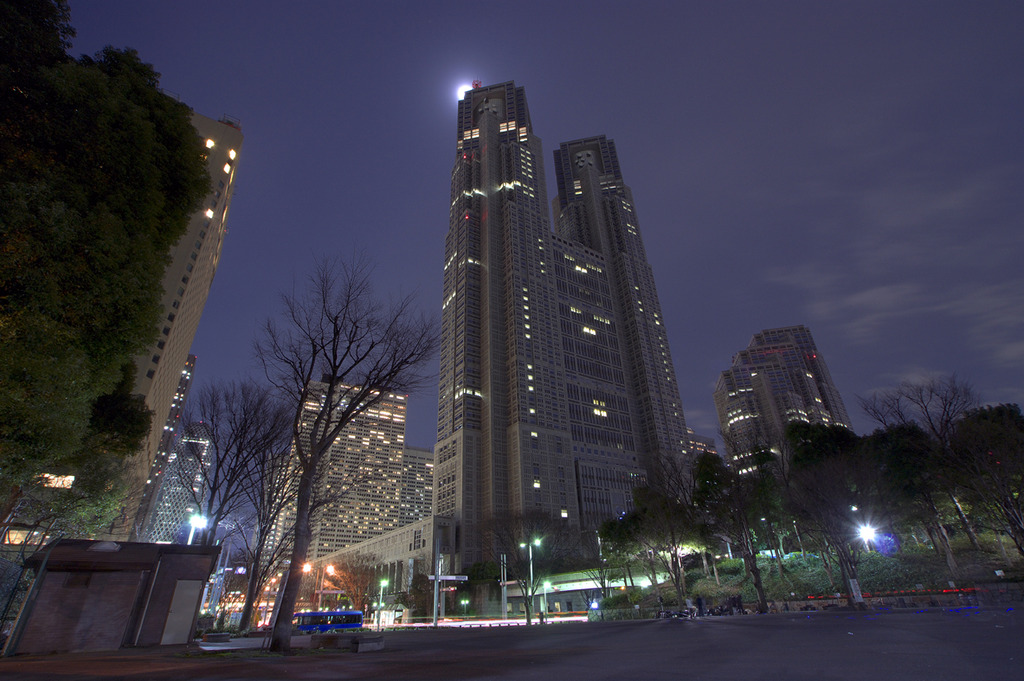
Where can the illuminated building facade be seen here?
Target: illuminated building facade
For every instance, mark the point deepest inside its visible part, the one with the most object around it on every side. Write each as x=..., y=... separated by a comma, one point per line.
x=780, y=378
x=164, y=451
x=186, y=285
x=557, y=392
x=417, y=485
x=179, y=492
x=361, y=483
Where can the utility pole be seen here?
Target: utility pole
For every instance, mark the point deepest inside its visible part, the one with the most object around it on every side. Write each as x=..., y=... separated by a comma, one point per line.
x=437, y=573
x=504, y=587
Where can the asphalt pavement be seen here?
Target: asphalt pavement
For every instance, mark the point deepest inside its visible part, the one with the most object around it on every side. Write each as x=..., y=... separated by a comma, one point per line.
x=962, y=644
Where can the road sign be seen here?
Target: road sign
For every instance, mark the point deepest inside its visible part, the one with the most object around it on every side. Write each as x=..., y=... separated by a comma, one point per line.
x=448, y=578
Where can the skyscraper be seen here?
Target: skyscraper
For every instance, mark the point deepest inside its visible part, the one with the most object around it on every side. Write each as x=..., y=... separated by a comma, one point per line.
x=557, y=390
x=148, y=515
x=359, y=489
x=416, y=494
x=186, y=285
x=781, y=377
x=180, y=488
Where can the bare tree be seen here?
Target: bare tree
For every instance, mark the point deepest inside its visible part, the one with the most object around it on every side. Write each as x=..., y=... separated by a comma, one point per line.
x=355, y=574
x=337, y=352
x=934, y=404
x=269, y=492
x=230, y=426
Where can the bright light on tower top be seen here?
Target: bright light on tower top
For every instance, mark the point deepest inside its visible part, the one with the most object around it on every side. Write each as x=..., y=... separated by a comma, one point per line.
x=461, y=91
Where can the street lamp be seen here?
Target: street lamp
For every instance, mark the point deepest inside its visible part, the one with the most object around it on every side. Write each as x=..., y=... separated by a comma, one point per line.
x=197, y=522
x=535, y=542
x=465, y=606
x=380, y=604
x=867, y=533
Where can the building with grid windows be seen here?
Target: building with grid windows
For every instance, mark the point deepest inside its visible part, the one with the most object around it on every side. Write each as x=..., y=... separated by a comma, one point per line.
x=416, y=492
x=360, y=488
x=781, y=377
x=557, y=391
x=147, y=513
x=180, y=492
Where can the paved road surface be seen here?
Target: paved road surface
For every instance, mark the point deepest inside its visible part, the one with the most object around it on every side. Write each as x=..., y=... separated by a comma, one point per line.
x=958, y=645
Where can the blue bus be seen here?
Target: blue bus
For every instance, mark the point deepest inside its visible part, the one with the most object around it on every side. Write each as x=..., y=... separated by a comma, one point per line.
x=328, y=620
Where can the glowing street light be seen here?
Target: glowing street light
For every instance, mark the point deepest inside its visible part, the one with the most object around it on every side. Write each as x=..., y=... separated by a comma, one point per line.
x=867, y=533
x=197, y=522
x=535, y=542
x=380, y=604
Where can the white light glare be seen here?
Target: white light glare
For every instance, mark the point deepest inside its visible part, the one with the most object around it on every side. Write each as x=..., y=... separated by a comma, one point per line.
x=867, y=533
x=461, y=91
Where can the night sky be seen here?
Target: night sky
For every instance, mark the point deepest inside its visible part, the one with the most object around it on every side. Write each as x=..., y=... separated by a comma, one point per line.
x=857, y=167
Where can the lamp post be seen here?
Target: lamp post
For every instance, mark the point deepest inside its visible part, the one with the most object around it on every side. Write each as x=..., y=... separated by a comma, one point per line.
x=465, y=606
x=529, y=546
x=197, y=522
x=380, y=604
x=544, y=603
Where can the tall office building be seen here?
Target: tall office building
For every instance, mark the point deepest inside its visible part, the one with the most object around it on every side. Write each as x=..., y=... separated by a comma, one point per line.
x=416, y=490
x=186, y=285
x=361, y=483
x=181, y=486
x=165, y=451
x=557, y=391
x=781, y=377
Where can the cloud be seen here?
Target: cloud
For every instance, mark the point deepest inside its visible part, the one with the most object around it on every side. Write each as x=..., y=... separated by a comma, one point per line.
x=994, y=319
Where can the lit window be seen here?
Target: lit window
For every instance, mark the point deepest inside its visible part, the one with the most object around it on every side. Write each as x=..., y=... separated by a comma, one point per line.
x=210, y=144
x=565, y=513
x=232, y=154
x=209, y=212
x=227, y=167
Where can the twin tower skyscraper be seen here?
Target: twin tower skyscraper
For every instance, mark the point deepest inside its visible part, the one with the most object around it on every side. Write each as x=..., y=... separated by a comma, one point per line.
x=557, y=390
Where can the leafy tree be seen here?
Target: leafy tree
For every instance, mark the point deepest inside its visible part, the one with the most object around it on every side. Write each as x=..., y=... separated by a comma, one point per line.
x=666, y=530
x=986, y=458
x=99, y=173
x=341, y=350
x=833, y=490
x=732, y=503
x=906, y=457
x=934, y=405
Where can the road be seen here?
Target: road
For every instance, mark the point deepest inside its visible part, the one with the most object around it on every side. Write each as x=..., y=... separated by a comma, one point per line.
x=961, y=645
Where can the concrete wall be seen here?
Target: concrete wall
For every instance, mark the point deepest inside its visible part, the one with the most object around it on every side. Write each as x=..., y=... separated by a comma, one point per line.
x=80, y=611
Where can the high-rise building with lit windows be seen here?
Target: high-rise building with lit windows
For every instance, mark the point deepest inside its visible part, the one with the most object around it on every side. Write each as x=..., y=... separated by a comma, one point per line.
x=416, y=495
x=780, y=377
x=179, y=493
x=360, y=488
x=557, y=390
x=165, y=451
x=186, y=285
